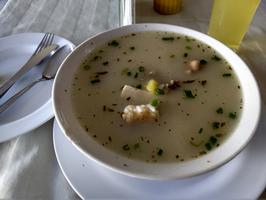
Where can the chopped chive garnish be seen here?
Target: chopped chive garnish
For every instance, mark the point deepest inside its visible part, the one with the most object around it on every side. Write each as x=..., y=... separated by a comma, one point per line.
x=168, y=38
x=97, y=58
x=189, y=94
x=200, y=130
x=213, y=140
x=227, y=74
x=136, y=146
x=129, y=73
x=110, y=109
x=203, y=82
x=203, y=62
x=136, y=75
x=160, y=152
x=172, y=56
x=159, y=92
x=86, y=67
x=141, y=69
x=215, y=125
x=126, y=147
x=110, y=138
x=185, y=55
x=220, y=110
x=208, y=146
x=105, y=63
x=139, y=86
x=104, y=108
x=132, y=48
x=102, y=73
x=114, y=43
x=95, y=81
x=188, y=47
x=216, y=58
x=232, y=115
x=154, y=103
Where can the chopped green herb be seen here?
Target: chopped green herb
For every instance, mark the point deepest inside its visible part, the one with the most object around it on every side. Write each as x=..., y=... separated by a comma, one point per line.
x=187, y=39
x=129, y=73
x=168, y=38
x=132, y=48
x=203, y=62
x=227, y=74
x=110, y=109
x=172, y=56
x=97, y=58
x=185, y=55
x=160, y=152
x=141, y=69
x=154, y=103
x=139, y=86
x=188, y=47
x=159, y=92
x=136, y=75
x=110, y=139
x=104, y=108
x=102, y=73
x=203, y=82
x=208, y=146
x=220, y=110
x=216, y=58
x=215, y=125
x=136, y=146
x=86, y=67
x=95, y=81
x=189, y=94
x=188, y=81
x=126, y=147
x=213, y=140
x=105, y=63
x=200, y=130
x=124, y=71
x=114, y=43
x=232, y=115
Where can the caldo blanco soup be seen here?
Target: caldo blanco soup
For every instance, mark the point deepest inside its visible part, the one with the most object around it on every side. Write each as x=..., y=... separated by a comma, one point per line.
x=157, y=97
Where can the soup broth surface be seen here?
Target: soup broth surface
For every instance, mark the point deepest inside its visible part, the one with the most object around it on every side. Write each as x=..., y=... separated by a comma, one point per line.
x=194, y=118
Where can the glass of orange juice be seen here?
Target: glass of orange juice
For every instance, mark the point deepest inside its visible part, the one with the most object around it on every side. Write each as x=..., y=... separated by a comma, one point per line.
x=230, y=20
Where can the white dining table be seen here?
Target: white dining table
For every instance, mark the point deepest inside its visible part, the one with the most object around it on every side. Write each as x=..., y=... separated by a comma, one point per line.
x=29, y=168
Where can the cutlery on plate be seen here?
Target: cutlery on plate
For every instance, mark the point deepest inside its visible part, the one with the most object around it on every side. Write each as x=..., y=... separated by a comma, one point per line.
x=44, y=49
x=48, y=73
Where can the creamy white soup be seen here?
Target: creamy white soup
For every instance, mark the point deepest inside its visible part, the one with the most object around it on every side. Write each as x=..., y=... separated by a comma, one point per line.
x=157, y=97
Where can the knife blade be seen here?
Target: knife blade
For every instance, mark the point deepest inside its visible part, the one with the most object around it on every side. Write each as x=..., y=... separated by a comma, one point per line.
x=34, y=60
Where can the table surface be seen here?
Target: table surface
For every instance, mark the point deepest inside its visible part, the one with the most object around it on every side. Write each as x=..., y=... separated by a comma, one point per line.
x=28, y=165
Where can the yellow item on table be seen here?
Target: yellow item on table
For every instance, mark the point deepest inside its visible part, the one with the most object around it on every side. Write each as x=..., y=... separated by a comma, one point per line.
x=167, y=7
x=230, y=20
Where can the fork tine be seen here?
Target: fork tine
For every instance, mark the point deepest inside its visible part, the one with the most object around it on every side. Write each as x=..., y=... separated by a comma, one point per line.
x=40, y=44
x=49, y=40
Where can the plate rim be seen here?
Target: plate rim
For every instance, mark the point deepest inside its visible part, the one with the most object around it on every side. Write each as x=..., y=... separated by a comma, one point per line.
x=56, y=129
x=41, y=115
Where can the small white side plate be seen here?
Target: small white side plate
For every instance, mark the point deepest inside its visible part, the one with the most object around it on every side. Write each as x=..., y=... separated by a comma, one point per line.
x=35, y=107
x=244, y=177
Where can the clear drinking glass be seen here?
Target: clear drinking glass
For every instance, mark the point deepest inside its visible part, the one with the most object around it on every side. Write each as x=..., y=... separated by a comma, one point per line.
x=230, y=20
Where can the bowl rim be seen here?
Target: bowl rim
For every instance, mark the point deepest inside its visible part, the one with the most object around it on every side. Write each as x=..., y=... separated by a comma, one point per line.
x=179, y=30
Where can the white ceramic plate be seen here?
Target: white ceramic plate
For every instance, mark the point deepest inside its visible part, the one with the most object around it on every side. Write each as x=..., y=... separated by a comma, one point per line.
x=244, y=177
x=35, y=107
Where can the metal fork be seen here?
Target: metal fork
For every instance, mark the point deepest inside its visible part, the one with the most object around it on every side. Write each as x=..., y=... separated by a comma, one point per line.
x=45, y=42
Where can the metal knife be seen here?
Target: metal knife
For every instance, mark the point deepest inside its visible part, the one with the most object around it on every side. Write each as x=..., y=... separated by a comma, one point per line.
x=34, y=60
